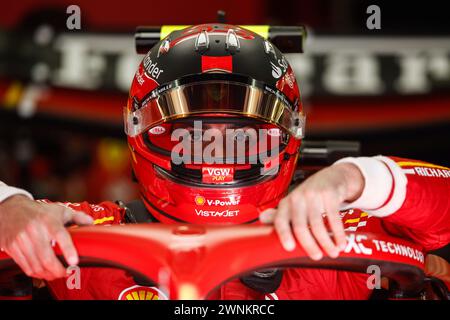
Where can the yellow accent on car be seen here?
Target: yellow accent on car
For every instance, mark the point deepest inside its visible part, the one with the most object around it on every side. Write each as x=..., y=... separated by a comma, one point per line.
x=188, y=291
x=420, y=164
x=100, y=221
x=141, y=295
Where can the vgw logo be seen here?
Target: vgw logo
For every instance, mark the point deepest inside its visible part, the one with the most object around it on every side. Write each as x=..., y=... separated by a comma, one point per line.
x=218, y=172
x=217, y=175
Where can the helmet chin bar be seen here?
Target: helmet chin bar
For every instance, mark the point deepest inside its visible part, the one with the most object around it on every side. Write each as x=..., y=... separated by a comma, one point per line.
x=149, y=249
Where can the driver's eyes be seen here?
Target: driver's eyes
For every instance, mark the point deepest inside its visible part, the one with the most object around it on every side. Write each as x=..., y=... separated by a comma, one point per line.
x=195, y=135
x=241, y=136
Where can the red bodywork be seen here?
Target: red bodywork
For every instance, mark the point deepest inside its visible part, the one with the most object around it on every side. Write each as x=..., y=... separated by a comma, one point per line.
x=193, y=256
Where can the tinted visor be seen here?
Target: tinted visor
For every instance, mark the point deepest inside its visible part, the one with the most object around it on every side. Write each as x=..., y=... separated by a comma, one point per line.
x=217, y=140
x=214, y=96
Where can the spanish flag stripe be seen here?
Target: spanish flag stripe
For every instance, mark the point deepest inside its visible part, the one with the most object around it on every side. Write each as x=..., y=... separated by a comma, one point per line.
x=100, y=221
x=352, y=220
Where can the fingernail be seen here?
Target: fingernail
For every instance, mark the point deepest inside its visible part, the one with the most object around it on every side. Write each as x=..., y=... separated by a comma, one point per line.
x=265, y=215
x=88, y=218
x=289, y=245
x=72, y=261
x=334, y=254
x=317, y=256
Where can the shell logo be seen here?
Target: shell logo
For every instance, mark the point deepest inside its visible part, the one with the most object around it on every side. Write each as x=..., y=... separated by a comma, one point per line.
x=142, y=293
x=200, y=200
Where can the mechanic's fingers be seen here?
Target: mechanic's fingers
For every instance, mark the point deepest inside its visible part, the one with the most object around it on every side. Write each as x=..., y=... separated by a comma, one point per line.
x=302, y=232
x=81, y=218
x=14, y=252
x=336, y=225
x=25, y=244
x=267, y=216
x=42, y=246
x=282, y=225
x=321, y=234
x=67, y=215
x=62, y=237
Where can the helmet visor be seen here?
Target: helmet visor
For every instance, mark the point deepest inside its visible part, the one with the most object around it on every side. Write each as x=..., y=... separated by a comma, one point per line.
x=217, y=140
x=214, y=96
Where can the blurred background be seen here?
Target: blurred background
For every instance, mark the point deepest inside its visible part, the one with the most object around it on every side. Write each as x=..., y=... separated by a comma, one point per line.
x=62, y=91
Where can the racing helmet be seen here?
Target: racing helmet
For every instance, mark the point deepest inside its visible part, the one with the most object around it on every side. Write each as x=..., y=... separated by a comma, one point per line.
x=214, y=124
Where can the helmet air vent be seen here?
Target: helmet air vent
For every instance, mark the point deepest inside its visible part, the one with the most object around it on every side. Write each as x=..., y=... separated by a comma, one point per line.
x=232, y=41
x=202, y=41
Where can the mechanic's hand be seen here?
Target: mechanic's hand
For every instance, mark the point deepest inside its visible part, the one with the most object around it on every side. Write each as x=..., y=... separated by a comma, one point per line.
x=27, y=230
x=321, y=194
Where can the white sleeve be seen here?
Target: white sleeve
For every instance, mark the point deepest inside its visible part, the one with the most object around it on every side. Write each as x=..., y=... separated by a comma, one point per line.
x=384, y=188
x=7, y=191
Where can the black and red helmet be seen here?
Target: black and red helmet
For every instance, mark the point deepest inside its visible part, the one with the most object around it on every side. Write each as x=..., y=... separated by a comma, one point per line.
x=221, y=78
